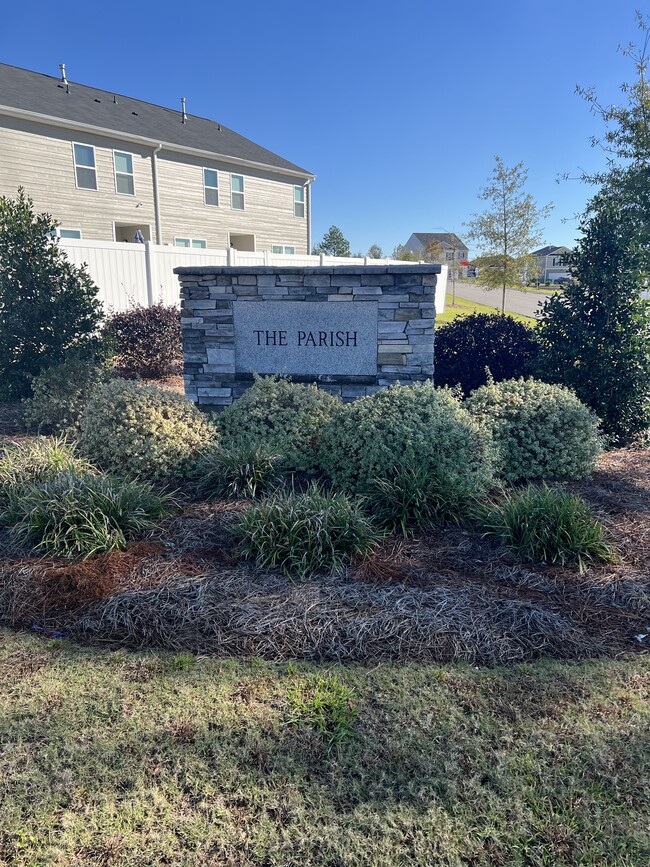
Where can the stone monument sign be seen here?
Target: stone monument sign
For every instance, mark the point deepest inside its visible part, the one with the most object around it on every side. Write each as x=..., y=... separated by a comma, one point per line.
x=350, y=329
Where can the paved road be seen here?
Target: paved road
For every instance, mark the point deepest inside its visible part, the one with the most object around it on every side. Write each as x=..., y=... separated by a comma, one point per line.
x=516, y=301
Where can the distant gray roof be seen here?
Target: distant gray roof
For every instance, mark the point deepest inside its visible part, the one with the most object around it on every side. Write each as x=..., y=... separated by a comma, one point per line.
x=45, y=94
x=450, y=238
x=547, y=251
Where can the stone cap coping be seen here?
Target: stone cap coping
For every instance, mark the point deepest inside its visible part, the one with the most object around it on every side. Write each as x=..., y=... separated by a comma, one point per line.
x=236, y=270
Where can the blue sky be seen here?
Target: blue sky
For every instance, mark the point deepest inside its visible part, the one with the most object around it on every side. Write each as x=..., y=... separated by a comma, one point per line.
x=398, y=108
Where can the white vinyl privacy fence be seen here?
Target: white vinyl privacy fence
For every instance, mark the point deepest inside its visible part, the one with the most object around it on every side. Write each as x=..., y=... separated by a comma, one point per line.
x=130, y=274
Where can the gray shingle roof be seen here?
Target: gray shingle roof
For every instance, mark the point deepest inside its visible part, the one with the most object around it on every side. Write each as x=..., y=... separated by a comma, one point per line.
x=547, y=251
x=45, y=94
x=450, y=238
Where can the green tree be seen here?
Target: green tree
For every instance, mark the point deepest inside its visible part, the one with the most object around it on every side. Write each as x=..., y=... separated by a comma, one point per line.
x=375, y=252
x=333, y=243
x=433, y=253
x=507, y=230
x=404, y=255
x=49, y=309
x=596, y=335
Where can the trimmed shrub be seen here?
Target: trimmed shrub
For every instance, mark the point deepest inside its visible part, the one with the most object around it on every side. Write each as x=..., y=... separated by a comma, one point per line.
x=547, y=525
x=81, y=515
x=240, y=470
x=283, y=416
x=469, y=344
x=541, y=431
x=60, y=394
x=30, y=462
x=143, y=431
x=303, y=534
x=417, y=430
x=146, y=340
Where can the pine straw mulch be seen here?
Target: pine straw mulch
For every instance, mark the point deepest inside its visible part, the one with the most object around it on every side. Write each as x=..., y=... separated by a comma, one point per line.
x=446, y=595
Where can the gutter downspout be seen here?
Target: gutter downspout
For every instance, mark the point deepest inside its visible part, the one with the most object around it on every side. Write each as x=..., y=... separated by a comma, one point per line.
x=156, y=196
x=308, y=186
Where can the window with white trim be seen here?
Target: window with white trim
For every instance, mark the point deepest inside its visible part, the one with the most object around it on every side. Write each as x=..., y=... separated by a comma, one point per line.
x=299, y=201
x=124, y=182
x=211, y=187
x=68, y=233
x=281, y=249
x=195, y=243
x=237, y=192
x=449, y=255
x=85, y=171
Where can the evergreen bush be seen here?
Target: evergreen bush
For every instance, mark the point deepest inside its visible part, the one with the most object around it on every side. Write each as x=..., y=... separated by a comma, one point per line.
x=143, y=431
x=405, y=428
x=285, y=417
x=60, y=394
x=49, y=310
x=469, y=344
x=541, y=431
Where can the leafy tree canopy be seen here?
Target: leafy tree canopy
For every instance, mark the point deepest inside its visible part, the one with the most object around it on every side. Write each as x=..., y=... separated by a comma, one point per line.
x=596, y=335
x=49, y=310
x=508, y=230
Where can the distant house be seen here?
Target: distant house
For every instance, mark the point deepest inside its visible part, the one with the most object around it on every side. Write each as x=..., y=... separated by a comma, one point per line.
x=453, y=249
x=548, y=264
x=108, y=166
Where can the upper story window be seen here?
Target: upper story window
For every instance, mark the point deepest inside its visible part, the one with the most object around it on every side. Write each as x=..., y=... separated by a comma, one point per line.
x=69, y=233
x=283, y=249
x=210, y=187
x=195, y=243
x=237, y=191
x=84, y=166
x=449, y=255
x=299, y=201
x=124, y=182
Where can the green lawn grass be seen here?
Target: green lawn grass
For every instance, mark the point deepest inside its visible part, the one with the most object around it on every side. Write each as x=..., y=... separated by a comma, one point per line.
x=117, y=758
x=464, y=308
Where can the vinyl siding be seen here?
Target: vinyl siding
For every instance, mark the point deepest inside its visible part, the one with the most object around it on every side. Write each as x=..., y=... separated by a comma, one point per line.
x=268, y=205
x=39, y=158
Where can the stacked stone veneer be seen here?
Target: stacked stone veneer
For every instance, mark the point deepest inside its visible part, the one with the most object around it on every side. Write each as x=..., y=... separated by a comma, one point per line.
x=403, y=295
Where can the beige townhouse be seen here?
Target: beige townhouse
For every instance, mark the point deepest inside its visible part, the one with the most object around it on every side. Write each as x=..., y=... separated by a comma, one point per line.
x=110, y=167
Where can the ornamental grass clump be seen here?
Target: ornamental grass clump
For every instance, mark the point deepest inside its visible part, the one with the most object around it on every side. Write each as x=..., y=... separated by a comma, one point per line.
x=303, y=534
x=413, y=450
x=548, y=525
x=74, y=515
x=241, y=470
x=33, y=461
x=284, y=417
x=411, y=498
x=142, y=431
x=541, y=431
